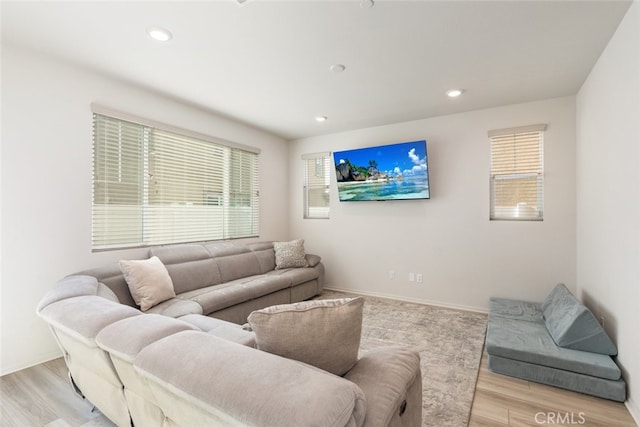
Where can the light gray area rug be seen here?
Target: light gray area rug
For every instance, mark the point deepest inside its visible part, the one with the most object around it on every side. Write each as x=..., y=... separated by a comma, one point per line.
x=450, y=343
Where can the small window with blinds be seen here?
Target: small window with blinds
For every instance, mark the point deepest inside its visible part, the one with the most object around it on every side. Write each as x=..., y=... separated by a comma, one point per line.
x=154, y=186
x=317, y=173
x=517, y=173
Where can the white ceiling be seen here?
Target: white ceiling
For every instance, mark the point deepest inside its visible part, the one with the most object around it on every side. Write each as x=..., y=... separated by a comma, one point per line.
x=267, y=63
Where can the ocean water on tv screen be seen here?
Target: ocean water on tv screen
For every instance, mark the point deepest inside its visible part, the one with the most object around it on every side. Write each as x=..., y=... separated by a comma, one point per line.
x=391, y=190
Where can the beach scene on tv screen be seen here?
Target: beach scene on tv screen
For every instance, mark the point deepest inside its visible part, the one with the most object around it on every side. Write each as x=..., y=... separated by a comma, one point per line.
x=388, y=172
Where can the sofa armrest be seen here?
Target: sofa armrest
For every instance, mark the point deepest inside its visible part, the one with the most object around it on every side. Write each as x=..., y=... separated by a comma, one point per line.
x=391, y=380
x=312, y=259
x=200, y=379
x=76, y=286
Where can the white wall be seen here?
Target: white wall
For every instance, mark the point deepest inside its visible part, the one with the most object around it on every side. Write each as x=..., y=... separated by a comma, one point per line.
x=608, y=195
x=46, y=183
x=465, y=258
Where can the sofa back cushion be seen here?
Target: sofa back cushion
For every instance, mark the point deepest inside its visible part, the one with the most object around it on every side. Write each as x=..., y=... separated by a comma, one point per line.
x=573, y=325
x=111, y=276
x=190, y=266
x=234, y=261
x=265, y=254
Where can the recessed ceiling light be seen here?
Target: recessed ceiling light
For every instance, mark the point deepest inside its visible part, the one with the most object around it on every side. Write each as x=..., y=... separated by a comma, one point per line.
x=337, y=68
x=321, y=119
x=453, y=93
x=159, y=34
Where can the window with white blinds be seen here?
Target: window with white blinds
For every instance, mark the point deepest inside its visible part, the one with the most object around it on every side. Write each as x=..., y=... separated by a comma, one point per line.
x=317, y=173
x=155, y=186
x=517, y=173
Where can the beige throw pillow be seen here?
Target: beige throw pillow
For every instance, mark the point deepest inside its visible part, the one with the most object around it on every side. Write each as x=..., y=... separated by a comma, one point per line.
x=290, y=254
x=322, y=333
x=148, y=280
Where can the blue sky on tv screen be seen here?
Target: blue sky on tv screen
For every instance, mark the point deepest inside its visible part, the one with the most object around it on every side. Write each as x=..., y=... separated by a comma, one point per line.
x=407, y=158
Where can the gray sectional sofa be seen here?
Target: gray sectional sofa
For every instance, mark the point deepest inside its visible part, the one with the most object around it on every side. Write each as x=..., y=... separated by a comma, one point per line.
x=177, y=365
x=225, y=280
x=557, y=342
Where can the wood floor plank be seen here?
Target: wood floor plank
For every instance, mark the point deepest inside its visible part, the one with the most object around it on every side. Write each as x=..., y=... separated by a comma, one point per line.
x=479, y=421
x=484, y=407
x=24, y=405
x=532, y=404
x=42, y=396
x=58, y=423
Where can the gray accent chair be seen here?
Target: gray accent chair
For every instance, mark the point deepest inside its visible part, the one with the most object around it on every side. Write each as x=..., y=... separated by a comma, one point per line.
x=557, y=342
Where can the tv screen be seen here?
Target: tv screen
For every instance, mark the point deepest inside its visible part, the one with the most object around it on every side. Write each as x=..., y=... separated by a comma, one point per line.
x=387, y=172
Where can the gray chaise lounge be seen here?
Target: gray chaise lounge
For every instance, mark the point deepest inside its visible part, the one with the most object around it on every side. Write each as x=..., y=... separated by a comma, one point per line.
x=557, y=342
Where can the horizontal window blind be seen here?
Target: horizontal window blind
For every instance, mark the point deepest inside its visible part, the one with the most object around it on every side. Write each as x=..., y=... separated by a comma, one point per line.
x=152, y=186
x=517, y=185
x=316, y=190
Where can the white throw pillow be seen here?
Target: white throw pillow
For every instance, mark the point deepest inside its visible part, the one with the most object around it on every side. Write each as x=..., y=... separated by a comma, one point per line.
x=290, y=254
x=148, y=280
x=322, y=333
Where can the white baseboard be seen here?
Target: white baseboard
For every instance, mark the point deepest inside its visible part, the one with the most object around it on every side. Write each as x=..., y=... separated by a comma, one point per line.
x=634, y=410
x=28, y=364
x=413, y=300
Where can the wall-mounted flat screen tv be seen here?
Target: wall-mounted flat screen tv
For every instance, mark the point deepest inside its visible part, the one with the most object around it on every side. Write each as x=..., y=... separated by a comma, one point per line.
x=386, y=172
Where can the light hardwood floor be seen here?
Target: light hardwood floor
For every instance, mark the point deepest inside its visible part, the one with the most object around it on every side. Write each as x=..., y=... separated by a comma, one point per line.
x=42, y=396
x=504, y=401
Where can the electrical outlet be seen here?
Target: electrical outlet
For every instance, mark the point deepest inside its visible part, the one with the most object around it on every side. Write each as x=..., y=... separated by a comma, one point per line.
x=392, y=274
x=419, y=277
x=412, y=277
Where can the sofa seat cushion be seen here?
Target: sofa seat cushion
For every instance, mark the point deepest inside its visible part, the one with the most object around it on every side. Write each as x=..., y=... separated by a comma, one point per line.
x=587, y=384
x=263, y=284
x=295, y=276
x=530, y=342
x=572, y=325
x=517, y=310
x=222, y=329
x=218, y=297
x=176, y=307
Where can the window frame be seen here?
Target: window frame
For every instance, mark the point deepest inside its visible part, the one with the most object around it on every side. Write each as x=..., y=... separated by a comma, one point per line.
x=322, y=170
x=522, y=155
x=220, y=216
